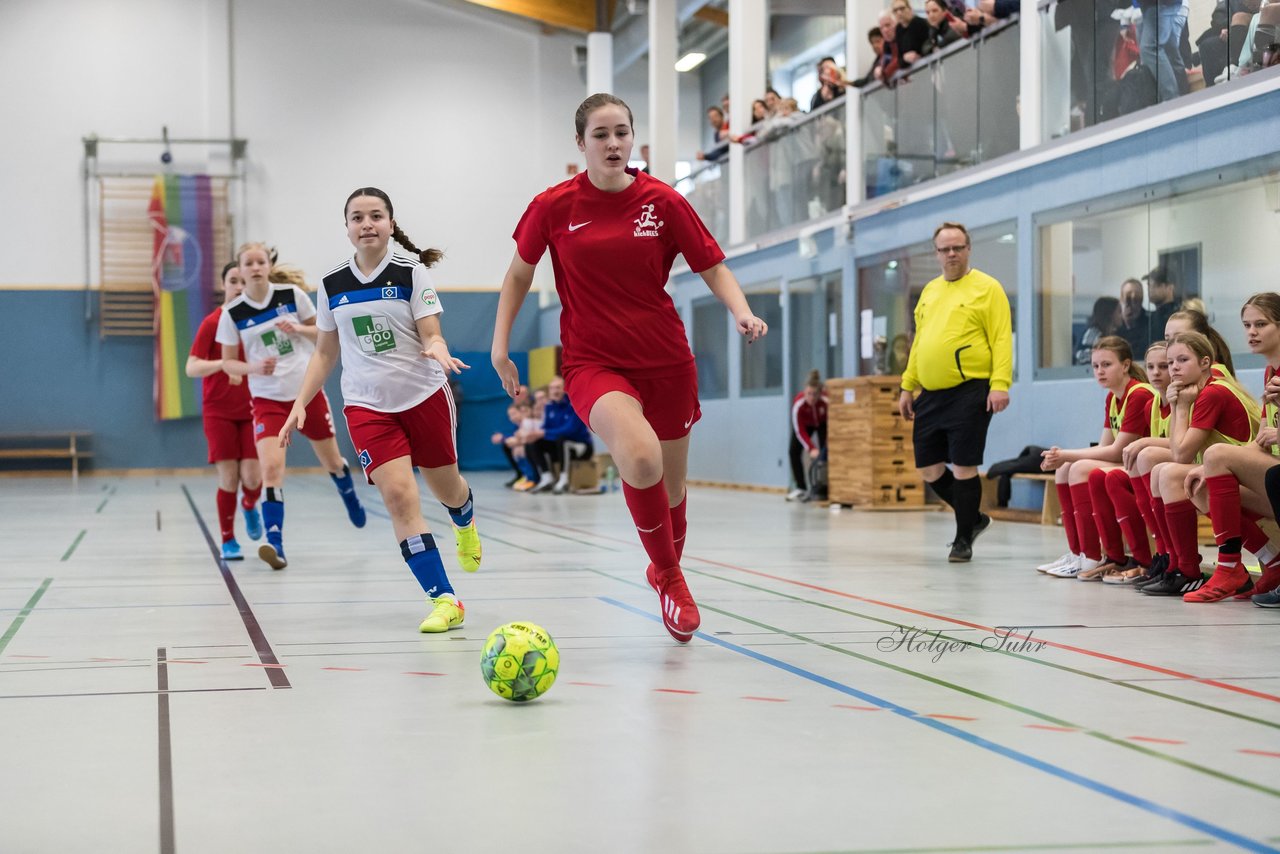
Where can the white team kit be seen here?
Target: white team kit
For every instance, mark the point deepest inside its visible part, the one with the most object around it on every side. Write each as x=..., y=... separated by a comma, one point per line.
x=375, y=317
x=256, y=326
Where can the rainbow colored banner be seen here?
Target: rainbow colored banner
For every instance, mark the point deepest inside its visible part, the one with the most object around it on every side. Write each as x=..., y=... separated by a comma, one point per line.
x=183, y=273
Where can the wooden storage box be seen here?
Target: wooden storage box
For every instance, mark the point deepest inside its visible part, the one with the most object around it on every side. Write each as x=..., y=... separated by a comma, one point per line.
x=871, y=460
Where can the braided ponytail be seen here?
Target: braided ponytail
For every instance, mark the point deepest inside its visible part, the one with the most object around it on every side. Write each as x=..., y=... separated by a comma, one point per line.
x=427, y=256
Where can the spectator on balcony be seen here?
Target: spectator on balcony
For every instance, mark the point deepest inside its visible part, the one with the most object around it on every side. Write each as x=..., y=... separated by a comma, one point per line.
x=876, y=39
x=772, y=100
x=1159, y=40
x=1227, y=26
x=832, y=80
x=719, y=135
x=759, y=115
x=944, y=27
x=987, y=12
x=1104, y=321
x=1135, y=322
x=829, y=172
x=1163, y=294
x=790, y=162
x=890, y=60
x=912, y=33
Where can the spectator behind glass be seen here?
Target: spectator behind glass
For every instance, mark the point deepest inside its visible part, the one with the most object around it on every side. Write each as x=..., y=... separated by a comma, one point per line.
x=1159, y=39
x=832, y=80
x=944, y=27
x=1163, y=293
x=988, y=12
x=912, y=34
x=889, y=61
x=720, y=136
x=876, y=39
x=1103, y=322
x=1135, y=323
x=771, y=101
x=759, y=113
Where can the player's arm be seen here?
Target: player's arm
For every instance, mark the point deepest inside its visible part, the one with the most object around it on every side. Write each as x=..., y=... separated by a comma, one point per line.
x=197, y=367
x=434, y=345
x=319, y=366
x=721, y=281
x=515, y=287
x=234, y=366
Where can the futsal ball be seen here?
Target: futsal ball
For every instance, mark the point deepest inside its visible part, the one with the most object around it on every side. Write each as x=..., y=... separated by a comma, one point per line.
x=519, y=662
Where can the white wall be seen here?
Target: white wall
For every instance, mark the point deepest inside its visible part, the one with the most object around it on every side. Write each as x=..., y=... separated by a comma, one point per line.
x=461, y=116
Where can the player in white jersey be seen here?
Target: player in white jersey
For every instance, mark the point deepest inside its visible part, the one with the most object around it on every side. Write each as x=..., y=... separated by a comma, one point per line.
x=379, y=311
x=276, y=326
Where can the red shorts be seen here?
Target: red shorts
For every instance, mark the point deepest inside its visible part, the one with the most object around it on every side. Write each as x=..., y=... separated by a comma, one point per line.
x=229, y=439
x=669, y=399
x=269, y=417
x=426, y=433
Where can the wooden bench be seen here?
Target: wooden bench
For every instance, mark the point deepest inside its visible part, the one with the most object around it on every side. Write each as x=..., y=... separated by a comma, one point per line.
x=1049, y=511
x=47, y=446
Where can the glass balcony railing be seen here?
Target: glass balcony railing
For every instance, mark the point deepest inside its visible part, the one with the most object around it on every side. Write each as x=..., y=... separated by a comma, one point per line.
x=1100, y=62
x=707, y=190
x=795, y=170
x=952, y=109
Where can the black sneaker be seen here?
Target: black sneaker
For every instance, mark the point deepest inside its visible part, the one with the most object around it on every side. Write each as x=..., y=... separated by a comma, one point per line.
x=984, y=522
x=1159, y=564
x=961, y=550
x=1174, y=583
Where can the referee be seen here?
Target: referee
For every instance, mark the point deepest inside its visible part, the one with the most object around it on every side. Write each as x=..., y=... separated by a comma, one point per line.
x=962, y=363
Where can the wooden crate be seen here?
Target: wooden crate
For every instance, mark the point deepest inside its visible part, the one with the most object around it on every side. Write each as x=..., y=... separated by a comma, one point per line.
x=871, y=461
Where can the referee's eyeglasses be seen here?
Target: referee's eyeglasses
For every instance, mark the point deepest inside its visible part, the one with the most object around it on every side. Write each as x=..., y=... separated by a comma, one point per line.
x=948, y=250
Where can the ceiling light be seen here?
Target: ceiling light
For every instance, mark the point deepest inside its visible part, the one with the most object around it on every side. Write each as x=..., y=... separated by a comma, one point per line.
x=690, y=61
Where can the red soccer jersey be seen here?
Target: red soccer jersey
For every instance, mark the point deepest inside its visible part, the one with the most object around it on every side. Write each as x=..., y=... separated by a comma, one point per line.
x=612, y=253
x=1216, y=408
x=1136, y=405
x=805, y=417
x=221, y=398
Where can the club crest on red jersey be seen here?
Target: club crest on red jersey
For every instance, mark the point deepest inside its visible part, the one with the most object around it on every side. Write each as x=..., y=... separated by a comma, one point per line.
x=646, y=224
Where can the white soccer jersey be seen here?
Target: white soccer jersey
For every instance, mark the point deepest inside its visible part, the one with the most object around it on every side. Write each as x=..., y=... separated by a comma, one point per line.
x=255, y=325
x=382, y=363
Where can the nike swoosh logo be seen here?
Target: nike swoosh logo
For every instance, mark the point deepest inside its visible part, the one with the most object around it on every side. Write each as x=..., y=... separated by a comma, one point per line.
x=573, y=227
x=688, y=423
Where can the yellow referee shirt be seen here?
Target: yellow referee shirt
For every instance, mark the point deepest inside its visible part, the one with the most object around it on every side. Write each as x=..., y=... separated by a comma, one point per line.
x=963, y=332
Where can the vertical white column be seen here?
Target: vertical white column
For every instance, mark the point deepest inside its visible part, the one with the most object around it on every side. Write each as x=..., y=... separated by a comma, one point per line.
x=599, y=62
x=664, y=38
x=1030, y=48
x=854, y=37
x=748, y=47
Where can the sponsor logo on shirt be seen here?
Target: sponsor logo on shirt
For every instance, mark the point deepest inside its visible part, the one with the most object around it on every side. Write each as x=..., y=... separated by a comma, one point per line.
x=429, y=297
x=646, y=224
x=374, y=333
x=280, y=343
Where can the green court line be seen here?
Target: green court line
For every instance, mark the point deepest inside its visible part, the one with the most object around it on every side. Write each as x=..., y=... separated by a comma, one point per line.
x=76, y=542
x=1048, y=846
x=1005, y=704
x=103, y=504
x=22, y=615
x=1029, y=658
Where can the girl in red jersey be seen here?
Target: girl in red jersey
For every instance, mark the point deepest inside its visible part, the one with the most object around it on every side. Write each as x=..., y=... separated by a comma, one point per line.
x=276, y=326
x=1127, y=395
x=613, y=234
x=1206, y=410
x=808, y=431
x=228, y=425
x=381, y=314
x=1234, y=477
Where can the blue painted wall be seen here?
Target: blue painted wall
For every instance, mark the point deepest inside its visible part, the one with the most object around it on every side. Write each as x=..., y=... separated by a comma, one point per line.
x=59, y=375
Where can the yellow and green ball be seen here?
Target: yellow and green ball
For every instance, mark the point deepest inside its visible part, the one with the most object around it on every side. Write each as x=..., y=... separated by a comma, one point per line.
x=519, y=662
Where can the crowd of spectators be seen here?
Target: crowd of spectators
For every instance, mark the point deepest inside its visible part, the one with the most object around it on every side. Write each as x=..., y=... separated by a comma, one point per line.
x=1128, y=316
x=545, y=436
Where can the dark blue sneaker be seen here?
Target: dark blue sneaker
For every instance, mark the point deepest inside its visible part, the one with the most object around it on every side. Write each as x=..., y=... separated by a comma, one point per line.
x=231, y=550
x=273, y=553
x=252, y=522
x=347, y=489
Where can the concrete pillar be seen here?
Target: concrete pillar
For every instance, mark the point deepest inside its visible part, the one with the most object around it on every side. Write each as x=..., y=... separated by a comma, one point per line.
x=854, y=34
x=664, y=41
x=599, y=63
x=748, y=49
x=1030, y=63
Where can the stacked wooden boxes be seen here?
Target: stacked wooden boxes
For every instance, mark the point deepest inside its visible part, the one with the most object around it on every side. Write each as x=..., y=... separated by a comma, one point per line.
x=871, y=463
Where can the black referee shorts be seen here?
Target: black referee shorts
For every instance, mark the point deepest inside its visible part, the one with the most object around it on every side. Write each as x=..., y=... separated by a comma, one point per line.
x=951, y=425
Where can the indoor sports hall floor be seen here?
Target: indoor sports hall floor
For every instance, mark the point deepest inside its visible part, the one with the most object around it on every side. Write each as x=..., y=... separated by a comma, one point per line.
x=150, y=700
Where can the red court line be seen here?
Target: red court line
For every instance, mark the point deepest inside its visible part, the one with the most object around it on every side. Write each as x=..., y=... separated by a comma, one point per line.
x=591, y=684
x=1261, y=753
x=949, y=717
x=421, y=673
x=856, y=708
x=1153, y=740
x=345, y=669
x=673, y=691
x=766, y=699
x=1105, y=656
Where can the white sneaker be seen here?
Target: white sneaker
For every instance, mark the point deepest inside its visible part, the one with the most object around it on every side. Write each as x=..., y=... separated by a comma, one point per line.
x=796, y=494
x=1071, y=570
x=544, y=483
x=562, y=485
x=1067, y=557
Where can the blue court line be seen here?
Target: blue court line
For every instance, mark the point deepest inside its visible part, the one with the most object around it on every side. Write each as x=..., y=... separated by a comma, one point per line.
x=1009, y=753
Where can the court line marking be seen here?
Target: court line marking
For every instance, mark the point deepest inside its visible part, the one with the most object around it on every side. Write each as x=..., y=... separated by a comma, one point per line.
x=988, y=698
x=103, y=504
x=164, y=753
x=80, y=536
x=23, y=614
x=1098, y=787
x=124, y=693
x=1046, y=846
x=261, y=646
x=954, y=620
x=1120, y=683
